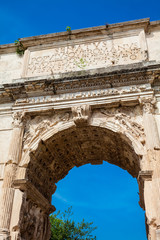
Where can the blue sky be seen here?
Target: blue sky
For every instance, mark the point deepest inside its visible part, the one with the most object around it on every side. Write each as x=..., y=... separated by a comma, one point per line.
x=32, y=17
x=104, y=194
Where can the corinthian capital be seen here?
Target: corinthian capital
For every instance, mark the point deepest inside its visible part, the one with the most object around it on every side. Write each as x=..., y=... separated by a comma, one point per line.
x=148, y=104
x=18, y=119
x=81, y=114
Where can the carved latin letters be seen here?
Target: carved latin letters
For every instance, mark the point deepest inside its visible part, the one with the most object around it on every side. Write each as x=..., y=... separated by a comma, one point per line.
x=84, y=56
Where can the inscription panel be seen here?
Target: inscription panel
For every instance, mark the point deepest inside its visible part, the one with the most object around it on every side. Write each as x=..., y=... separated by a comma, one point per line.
x=73, y=56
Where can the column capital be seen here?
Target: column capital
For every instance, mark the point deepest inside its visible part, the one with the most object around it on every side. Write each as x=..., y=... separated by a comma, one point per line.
x=148, y=104
x=18, y=119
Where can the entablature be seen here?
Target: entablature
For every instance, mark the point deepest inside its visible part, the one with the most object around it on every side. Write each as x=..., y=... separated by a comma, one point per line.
x=132, y=74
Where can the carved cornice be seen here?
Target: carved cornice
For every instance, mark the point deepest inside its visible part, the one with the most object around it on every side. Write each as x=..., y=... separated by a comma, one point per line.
x=79, y=34
x=110, y=94
x=113, y=77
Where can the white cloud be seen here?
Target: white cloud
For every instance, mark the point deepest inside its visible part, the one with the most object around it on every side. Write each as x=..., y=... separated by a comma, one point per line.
x=58, y=196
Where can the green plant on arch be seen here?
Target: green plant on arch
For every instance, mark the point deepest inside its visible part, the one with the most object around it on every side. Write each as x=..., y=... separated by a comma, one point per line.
x=19, y=47
x=68, y=29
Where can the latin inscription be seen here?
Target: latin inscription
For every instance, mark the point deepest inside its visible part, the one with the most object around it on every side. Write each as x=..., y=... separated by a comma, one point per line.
x=83, y=56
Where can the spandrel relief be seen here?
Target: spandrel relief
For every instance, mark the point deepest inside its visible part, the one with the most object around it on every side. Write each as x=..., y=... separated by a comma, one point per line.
x=38, y=125
x=128, y=118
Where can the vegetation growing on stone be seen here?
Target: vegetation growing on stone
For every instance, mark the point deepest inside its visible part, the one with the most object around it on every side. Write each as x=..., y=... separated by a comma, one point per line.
x=19, y=48
x=68, y=29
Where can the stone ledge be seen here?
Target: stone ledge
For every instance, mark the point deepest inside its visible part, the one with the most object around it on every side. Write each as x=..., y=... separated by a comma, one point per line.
x=34, y=194
x=142, y=177
x=81, y=33
x=132, y=74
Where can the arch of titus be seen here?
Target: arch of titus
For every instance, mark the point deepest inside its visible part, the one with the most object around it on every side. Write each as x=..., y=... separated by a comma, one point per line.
x=73, y=98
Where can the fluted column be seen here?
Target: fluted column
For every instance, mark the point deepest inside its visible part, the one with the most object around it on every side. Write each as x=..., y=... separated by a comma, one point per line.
x=150, y=125
x=9, y=174
x=152, y=163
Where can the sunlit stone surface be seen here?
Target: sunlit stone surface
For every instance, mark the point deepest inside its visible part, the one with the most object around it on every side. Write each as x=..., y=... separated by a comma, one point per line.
x=88, y=96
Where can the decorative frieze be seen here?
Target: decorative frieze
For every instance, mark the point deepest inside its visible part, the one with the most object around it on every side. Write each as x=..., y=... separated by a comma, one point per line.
x=85, y=95
x=73, y=82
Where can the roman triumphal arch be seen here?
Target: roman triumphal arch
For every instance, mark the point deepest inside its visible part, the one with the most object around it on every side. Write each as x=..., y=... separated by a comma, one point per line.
x=73, y=98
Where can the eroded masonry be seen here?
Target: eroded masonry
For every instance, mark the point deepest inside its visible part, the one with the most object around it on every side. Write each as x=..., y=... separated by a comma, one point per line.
x=73, y=98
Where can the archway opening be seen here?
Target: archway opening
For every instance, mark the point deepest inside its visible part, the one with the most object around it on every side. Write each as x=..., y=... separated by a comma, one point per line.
x=77, y=146
x=74, y=147
x=106, y=195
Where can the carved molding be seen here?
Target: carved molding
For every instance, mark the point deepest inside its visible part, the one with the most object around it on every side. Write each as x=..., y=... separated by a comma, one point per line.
x=92, y=94
x=77, y=81
x=40, y=126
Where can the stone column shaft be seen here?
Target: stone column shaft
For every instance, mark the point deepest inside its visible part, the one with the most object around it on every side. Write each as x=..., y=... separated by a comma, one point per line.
x=158, y=234
x=7, y=195
x=151, y=131
x=152, y=189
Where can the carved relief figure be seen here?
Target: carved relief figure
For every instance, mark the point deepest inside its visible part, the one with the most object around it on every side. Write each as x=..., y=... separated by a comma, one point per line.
x=36, y=126
x=81, y=114
x=34, y=222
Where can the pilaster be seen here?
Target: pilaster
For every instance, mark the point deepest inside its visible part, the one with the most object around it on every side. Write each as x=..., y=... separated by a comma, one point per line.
x=9, y=174
x=152, y=162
